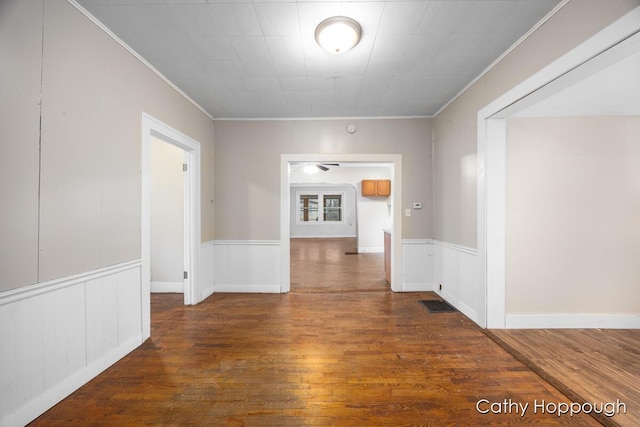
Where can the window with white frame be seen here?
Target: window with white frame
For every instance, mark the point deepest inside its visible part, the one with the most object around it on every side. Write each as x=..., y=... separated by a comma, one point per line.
x=319, y=207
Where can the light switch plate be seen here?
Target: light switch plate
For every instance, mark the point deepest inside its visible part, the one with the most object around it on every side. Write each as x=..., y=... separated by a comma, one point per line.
x=407, y=212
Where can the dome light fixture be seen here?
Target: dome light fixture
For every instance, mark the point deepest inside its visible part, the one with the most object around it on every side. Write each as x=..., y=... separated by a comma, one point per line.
x=338, y=34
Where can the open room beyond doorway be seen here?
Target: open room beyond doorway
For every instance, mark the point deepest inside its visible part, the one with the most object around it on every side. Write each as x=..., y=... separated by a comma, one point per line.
x=327, y=265
x=337, y=241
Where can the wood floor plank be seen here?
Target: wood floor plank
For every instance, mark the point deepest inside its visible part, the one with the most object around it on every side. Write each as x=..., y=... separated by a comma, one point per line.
x=329, y=265
x=323, y=359
x=339, y=350
x=589, y=365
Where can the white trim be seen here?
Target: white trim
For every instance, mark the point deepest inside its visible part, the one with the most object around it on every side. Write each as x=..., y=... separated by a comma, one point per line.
x=459, y=304
x=192, y=213
x=288, y=119
x=167, y=287
x=417, y=241
x=248, y=288
x=521, y=40
x=324, y=236
x=458, y=248
x=602, y=49
x=573, y=321
x=136, y=55
x=370, y=249
x=246, y=242
x=24, y=292
x=395, y=160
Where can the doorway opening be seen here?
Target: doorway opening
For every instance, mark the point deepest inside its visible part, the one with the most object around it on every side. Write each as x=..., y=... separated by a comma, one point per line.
x=544, y=92
x=168, y=262
x=315, y=253
x=153, y=129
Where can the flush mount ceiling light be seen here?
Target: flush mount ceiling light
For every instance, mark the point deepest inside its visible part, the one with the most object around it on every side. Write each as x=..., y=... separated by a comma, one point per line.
x=338, y=34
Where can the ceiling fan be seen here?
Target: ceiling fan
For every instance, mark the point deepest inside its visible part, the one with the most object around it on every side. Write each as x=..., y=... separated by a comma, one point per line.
x=316, y=167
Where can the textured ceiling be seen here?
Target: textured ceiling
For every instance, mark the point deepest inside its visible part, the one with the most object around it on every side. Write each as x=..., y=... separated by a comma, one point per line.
x=259, y=59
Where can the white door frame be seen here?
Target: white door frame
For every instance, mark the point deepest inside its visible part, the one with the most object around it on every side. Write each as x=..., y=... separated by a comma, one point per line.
x=191, y=211
x=395, y=160
x=609, y=46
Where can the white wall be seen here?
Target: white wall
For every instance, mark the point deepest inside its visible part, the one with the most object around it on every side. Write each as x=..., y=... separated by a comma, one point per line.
x=167, y=224
x=572, y=216
x=345, y=228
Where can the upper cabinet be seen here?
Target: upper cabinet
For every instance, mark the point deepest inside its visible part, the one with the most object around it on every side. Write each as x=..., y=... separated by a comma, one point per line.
x=376, y=187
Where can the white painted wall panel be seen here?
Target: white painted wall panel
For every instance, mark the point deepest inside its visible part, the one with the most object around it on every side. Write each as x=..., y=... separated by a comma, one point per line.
x=455, y=268
x=57, y=335
x=129, y=303
x=207, y=270
x=417, y=265
x=28, y=348
x=232, y=259
x=63, y=320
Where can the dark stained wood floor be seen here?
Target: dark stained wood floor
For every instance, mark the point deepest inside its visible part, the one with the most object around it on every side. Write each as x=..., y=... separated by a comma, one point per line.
x=309, y=359
x=587, y=364
x=346, y=356
x=323, y=265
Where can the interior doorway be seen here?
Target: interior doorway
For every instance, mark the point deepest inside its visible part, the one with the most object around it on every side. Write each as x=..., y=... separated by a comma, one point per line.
x=153, y=128
x=168, y=262
x=545, y=91
x=326, y=249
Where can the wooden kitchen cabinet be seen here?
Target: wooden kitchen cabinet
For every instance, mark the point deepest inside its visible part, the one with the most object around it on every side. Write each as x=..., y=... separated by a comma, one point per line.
x=376, y=187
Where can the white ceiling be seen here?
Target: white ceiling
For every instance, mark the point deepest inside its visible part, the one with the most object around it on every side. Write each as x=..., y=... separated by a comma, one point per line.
x=259, y=59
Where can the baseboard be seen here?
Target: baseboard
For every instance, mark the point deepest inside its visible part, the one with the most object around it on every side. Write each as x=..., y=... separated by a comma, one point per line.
x=35, y=407
x=573, y=321
x=417, y=287
x=247, y=288
x=167, y=287
x=460, y=305
x=370, y=249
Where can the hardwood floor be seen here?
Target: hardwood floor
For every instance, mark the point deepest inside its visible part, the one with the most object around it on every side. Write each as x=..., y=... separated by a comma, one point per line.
x=310, y=359
x=588, y=365
x=329, y=265
x=339, y=350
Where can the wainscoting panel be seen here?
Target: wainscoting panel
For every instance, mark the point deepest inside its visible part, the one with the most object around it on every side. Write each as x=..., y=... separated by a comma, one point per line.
x=455, y=268
x=207, y=258
x=57, y=335
x=417, y=265
x=247, y=266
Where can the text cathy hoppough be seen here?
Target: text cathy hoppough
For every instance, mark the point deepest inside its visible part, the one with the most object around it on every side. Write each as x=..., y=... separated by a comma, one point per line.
x=508, y=406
